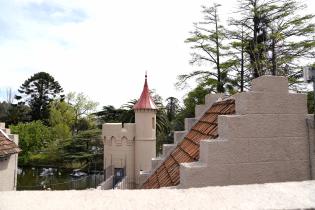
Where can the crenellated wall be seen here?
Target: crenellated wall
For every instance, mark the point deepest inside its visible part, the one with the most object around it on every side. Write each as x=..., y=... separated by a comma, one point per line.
x=265, y=141
x=119, y=142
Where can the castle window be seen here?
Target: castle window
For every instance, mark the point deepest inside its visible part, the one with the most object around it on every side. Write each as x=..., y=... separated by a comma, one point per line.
x=153, y=123
x=124, y=140
x=112, y=139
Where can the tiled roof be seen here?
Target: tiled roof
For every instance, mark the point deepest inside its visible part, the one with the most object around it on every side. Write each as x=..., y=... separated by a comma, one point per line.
x=7, y=146
x=145, y=101
x=167, y=174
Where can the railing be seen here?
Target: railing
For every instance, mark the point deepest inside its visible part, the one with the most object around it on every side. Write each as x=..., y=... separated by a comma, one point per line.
x=85, y=182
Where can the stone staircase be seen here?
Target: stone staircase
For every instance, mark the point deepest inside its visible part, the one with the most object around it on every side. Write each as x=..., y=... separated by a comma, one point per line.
x=265, y=141
x=189, y=123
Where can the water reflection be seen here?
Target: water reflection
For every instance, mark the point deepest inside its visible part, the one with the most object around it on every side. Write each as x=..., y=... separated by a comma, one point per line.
x=55, y=179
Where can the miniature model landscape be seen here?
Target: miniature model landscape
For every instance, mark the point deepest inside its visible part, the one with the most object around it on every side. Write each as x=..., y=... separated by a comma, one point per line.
x=232, y=128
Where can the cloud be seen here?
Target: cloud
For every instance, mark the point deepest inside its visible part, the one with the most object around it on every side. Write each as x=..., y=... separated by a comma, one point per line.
x=53, y=13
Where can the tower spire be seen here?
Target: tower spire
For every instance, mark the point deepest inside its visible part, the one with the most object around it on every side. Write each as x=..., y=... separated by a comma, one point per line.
x=145, y=101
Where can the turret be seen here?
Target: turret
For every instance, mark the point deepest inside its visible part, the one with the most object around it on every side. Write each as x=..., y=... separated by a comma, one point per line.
x=145, y=141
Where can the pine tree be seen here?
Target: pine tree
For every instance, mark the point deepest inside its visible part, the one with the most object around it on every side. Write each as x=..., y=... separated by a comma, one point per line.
x=37, y=92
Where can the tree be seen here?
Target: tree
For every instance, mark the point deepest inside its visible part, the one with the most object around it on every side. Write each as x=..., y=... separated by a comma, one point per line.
x=207, y=42
x=194, y=97
x=37, y=92
x=61, y=120
x=172, y=108
x=33, y=137
x=110, y=114
x=239, y=59
x=276, y=37
x=82, y=107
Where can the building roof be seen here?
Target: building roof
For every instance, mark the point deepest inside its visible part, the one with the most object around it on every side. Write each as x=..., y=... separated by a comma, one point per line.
x=167, y=174
x=145, y=101
x=7, y=146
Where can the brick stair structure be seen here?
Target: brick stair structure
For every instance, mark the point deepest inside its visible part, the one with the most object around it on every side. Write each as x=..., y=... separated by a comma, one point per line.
x=265, y=141
x=210, y=99
x=258, y=136
x=166, y=173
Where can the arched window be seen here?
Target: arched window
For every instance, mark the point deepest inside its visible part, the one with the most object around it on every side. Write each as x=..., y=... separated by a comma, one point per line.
x=124, y=140
x=112, y=139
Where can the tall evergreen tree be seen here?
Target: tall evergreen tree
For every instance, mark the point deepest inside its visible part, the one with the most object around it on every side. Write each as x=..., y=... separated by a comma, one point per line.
x=37, y=92
x=277, y=38
x=207, y=41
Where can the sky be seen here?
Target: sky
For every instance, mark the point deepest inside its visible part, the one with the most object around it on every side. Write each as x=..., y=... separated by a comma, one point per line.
x=101, y=48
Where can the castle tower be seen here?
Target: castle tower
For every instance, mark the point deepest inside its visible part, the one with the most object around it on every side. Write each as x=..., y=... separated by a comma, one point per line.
x=145, y=141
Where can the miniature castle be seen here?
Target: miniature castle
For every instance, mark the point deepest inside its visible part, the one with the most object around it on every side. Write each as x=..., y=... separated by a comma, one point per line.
x=129, y=147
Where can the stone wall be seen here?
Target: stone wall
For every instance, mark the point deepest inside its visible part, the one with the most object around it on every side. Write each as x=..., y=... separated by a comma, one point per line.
x=119, y=143
x=265, y=141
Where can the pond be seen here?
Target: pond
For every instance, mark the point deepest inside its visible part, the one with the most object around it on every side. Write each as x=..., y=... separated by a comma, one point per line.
x=40, y=178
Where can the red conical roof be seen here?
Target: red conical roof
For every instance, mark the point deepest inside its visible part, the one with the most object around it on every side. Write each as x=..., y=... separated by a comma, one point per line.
x=145, y=101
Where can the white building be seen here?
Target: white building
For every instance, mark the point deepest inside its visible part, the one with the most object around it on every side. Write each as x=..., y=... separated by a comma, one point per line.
x=129, y=147
x=8, y=159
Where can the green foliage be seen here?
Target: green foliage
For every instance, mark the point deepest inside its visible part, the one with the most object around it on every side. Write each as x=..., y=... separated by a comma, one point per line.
x=268, y=37
x=172, y=108
x=208, y=45
x=82, y=107
x=33, y=137
x=61, y=113
x=194, y=97
x=276, y=37
x=37, y=92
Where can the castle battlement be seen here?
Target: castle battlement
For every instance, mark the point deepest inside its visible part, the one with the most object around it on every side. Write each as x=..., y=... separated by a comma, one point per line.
x=117, y=134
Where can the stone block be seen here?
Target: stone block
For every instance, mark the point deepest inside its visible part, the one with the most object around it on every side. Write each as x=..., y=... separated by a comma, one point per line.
x=264, y=172
x=277, y=149
x=8, y=131
x=2, y=125
x=270, y=103
x=254, y=173
x=179, y=136
x=261, y=126
x=199, y=110
x=197, y=174
x=189, y=122
x=167, y=148
x=270, y=84
x=155, y=162
x=212, y=98
x=221, y=151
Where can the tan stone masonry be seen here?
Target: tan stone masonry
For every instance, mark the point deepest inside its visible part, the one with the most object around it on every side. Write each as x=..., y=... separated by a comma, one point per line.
x=265, y=141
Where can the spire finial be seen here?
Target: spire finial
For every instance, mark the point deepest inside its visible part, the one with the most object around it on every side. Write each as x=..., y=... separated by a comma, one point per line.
x=146, y=74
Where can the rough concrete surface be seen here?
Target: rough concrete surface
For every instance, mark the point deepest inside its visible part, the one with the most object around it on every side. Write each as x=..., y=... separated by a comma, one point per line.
x=288, y=195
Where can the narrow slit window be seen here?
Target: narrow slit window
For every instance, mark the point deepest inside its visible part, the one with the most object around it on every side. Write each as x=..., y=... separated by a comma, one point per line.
x=153, y=123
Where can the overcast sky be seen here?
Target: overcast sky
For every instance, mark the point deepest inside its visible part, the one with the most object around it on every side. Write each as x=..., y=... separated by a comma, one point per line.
x=101, y=48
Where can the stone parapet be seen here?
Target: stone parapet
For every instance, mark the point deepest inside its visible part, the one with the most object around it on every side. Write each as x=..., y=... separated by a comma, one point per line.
x=270, y=103
x=262, y=125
